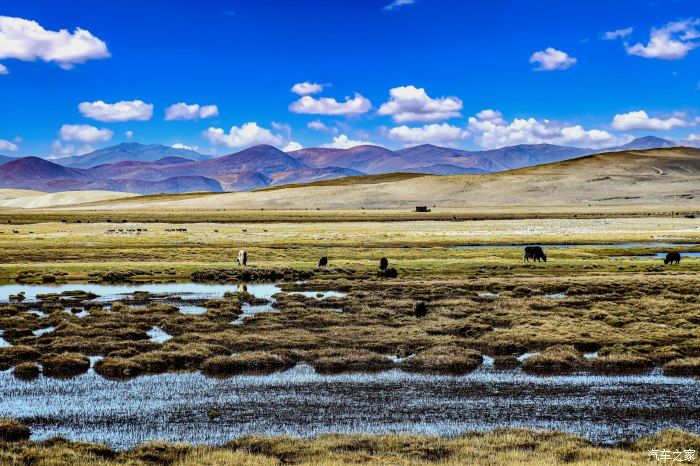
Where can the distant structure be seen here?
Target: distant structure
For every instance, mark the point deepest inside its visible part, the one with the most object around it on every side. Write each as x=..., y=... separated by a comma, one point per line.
x=422, y=208
x=242, y=257
x=323, y=262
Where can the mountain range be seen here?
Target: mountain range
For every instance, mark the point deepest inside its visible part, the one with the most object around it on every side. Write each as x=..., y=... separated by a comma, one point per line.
x=152, y=169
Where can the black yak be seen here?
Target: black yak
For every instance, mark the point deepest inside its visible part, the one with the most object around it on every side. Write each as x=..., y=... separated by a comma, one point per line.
x=672, y=257
x=420, y=309
x=535, y=253
x=383, y=263
x=323, y=262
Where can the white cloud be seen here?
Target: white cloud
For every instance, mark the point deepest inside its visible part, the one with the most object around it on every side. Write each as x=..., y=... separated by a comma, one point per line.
x=125, y=110
x=342, y=142
x=307, y=88
x=183, y=111
x=330, y=106
x=129, y=134
x=8, y=146
x=398, y=3
x=85, y=133
x=318, y=125
x=641, y=120
x=249, y=134
x=3, y=69
x=442, y=134
x=28, y=41
x=282, y=128
x=693, y=140
x=497, y=133
x=672, y=41
x=490, y=115
x=292, y=146
x=64, y=151
x=409, y=103
x=552, y=59
x=179, y=145
x=617, y=34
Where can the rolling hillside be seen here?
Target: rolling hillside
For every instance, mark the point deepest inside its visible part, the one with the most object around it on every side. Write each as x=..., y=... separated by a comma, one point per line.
x=652, y=177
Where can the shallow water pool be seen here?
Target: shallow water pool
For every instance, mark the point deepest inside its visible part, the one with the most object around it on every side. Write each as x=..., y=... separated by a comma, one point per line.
x=302, y=403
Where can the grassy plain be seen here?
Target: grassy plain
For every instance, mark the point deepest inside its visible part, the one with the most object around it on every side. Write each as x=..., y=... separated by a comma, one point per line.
x=637, y=313
x=513, y=447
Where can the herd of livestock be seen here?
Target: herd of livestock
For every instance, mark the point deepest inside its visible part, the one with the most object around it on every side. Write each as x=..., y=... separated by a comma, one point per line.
x=536, y=253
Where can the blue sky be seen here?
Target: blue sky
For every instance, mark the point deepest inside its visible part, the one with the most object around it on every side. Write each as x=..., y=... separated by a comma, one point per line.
x=463, y=74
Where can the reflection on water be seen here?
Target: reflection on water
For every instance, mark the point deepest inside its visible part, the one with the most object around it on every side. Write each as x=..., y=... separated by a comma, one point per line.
x=300, y=402
x=158, y=335
x=188, y=297
x=43, y=331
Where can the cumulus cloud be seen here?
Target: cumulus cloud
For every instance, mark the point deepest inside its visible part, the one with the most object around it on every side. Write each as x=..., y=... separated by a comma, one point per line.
x=318, y=125
x=3, y=69
x=398, y=3
x=26, y=40
x=292, y=146
x=59, y=150
x=617, y=34
x=490, y=115
x=8, y=146
x=307, y=88
x=249, y=134
x=410, y=103
x=496, y=133
x=183, y=111
x=330, y=106
x=641, y=120
x=125, y=110
x=343, y=142
x=129, y=134
x=552, y=59
x=85, y=133
x=441, y=134
x=179, y=145
x=672, y=41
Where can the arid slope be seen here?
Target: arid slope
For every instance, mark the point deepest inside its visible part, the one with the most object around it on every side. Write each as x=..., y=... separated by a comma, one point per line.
x=652, y=177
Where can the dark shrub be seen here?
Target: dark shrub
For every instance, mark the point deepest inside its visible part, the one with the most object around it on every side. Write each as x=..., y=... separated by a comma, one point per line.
x=13, y=431
x=118, y=368
x=444, y=360
x=253, y=362
x=26, y=371
x=15, y=354
x=683, y=367
x=562, y=359
x=65, y=365
x=346, y=360
x=620, y=364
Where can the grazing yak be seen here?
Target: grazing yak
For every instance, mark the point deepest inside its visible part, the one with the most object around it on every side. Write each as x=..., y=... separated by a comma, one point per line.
x=383, y=264
x=535, y=253
x=242, y=257
x=420, y=309
x=672, y=257
x=323, y=262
